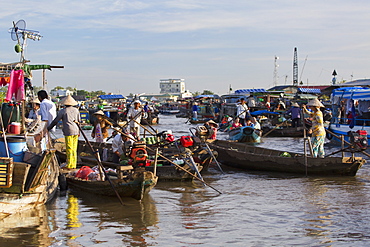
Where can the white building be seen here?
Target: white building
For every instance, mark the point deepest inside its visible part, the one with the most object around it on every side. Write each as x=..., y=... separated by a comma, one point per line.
x=61, y=92
x=172, y=86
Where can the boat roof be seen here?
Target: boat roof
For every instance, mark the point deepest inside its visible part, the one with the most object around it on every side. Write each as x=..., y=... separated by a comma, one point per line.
x=355, y=93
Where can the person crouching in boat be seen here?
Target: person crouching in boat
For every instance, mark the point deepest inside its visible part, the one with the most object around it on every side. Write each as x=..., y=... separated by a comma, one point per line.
x=69, y=115
x=318, y=130
x=121, y=145
x=212, y=128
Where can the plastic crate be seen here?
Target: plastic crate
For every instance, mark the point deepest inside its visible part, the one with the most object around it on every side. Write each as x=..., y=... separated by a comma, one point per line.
x=6, y=172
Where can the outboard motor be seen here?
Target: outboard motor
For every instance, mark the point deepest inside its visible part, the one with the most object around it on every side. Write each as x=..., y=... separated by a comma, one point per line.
x=139, y=153
x=358, y=139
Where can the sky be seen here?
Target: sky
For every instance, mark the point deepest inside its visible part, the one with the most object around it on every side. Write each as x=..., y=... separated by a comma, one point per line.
x=128, y=46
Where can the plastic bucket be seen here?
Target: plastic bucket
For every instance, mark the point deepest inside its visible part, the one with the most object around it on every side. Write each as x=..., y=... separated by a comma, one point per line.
x=14, y=128
x=16, y=145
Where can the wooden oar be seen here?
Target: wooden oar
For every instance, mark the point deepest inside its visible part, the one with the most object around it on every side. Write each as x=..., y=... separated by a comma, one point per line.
x=99, y=162
x=180, y=167
x=348, y=143
x=278, y=125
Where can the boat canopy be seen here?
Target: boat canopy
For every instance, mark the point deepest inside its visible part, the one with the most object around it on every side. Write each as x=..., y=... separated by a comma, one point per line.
x=309, y=90
x=251, y=90
x=355, y=93
x=204, y=96
x=112, y=96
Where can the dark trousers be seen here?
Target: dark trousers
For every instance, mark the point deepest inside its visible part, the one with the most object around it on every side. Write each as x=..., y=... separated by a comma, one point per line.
x=242, y=121
x=295, y=122
x=115, y=158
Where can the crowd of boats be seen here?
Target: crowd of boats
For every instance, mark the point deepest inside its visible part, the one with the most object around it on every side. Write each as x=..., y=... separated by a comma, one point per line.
x=31, y=175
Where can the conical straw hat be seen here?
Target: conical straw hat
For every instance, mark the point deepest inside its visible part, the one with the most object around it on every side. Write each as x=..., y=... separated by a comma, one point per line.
x=100, y=112
x=315, y=102
x=69, y=100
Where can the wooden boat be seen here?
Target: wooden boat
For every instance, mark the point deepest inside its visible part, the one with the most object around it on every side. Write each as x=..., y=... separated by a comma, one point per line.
x=249, y=157
x=245, y=134
x=164, y=170
x=126, y=181
x=26, y=185
x=284, y=131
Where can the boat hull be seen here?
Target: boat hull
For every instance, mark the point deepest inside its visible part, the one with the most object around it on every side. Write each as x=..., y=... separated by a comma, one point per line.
x=136, y=188
x=19, y=198
x=248, y=157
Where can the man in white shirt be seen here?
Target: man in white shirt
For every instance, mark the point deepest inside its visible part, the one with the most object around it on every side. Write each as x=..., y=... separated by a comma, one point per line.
x=241, y=111
x=134, y=113
x=48, y=112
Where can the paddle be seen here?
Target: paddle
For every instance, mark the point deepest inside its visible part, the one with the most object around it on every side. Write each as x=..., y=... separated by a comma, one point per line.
x=278, y=125
x=97, y=157
x=180, y=167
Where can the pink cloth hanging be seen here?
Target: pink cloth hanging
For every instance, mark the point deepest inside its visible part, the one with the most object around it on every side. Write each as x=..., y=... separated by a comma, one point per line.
x=16, y=86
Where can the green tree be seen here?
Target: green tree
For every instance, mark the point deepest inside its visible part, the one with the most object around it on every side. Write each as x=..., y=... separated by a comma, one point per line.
x=207, y=92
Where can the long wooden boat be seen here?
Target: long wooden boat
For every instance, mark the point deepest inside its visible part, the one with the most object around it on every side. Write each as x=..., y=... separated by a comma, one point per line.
x=126, y=181
x=164, y=170
x=284, y=131
x=250, y=157
x=26, y=185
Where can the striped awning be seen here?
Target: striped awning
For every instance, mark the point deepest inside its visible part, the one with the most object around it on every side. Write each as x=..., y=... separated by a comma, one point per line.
x=309, y=90
x=353, y=93
x=251, y=90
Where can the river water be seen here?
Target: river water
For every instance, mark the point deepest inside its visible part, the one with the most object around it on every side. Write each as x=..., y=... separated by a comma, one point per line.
x=254, y=209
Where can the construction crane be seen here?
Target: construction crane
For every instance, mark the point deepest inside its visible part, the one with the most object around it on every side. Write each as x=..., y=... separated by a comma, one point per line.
x=295, y=68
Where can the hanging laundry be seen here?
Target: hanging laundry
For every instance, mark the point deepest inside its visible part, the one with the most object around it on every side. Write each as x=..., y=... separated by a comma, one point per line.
x=16, y=86
x=4, y=81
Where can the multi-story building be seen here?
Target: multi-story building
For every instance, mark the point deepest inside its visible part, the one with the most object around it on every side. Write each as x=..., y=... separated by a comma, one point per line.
x=172, y=86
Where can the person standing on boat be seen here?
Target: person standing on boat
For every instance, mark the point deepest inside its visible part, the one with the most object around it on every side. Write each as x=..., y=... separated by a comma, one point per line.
x=195, y=110
x=101, y=126
x=135, y=113
x=317, y=129
x=69, y=116
x=364, y=110
x=295, y=112
x=48, y=112
x=335, y=107
x=242, y=111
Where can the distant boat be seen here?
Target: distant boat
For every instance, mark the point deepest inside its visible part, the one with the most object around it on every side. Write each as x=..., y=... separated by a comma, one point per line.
x=342, y=126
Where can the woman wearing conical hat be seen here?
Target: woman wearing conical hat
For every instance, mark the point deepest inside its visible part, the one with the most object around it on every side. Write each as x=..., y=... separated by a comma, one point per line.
x=69, y=115
x=318, y=130
x=101, y=126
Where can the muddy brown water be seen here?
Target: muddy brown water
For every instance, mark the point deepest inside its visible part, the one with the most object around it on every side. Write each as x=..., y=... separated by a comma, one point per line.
x=254, y=209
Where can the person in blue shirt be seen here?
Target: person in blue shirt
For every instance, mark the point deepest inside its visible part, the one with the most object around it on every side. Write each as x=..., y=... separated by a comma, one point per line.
x=295, y=112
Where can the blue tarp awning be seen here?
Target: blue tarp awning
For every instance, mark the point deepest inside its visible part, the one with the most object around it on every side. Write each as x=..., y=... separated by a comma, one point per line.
x=261, y=112
x=204, y=96
x=352, y=93
x=251, y=90
x=112, y=96
x=309, y=90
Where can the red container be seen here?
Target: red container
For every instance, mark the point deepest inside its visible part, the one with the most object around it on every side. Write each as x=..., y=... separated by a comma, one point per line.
x=186, y=141
x=14, y=128
x=362, y=132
